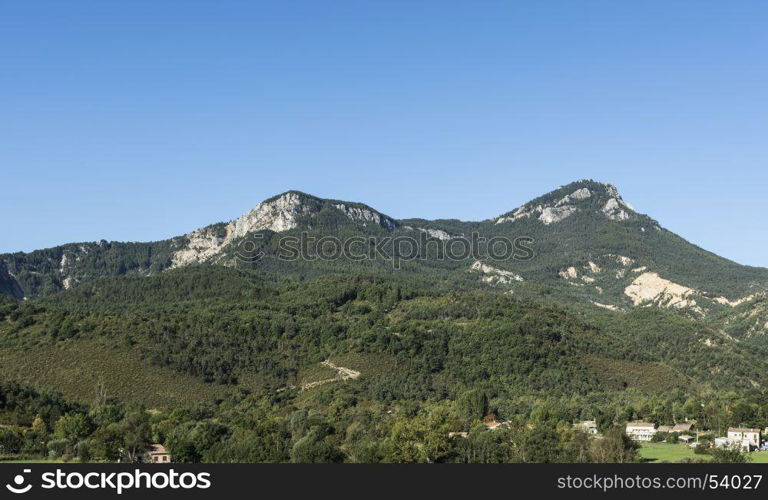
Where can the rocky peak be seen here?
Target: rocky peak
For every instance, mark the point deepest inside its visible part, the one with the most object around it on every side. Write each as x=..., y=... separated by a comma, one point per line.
x=565, y=201
x=275, y=214
x=279, y=213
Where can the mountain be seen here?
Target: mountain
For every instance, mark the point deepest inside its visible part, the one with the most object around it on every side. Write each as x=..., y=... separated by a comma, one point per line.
x=243, y=354
x=588, y=244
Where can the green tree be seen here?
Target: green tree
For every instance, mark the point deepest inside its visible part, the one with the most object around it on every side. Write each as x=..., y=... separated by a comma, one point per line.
x=315, y=448
x=423, y=439
x=473, y=405
x=107, y=443
x=11, y=441
x=729, y=455
x=615, y=447
x=136, y=432
x=73, y=427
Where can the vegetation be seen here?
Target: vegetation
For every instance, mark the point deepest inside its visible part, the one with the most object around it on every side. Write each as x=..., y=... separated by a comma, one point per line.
x=345, y=361
x=218, y=364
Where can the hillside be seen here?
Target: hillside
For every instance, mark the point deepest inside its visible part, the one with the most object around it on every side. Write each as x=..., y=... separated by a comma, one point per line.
x=584, y=241
x=229, y=357
x=222, y=326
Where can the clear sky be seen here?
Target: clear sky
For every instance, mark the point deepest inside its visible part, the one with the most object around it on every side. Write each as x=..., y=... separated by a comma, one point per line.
x=140, y=120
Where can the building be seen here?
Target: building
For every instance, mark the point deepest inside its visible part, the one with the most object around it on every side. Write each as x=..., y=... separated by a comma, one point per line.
x=721, y=442
x=678, y=428
x=492, y=424
x=157, y=454
x=641, y=431
x=686, y=439
x=456, y=434
x=588, y=426
x=686, y=427
x=745, y=437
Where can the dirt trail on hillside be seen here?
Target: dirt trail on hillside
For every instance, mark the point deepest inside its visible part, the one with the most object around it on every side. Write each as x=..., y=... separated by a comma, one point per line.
x=342, y=373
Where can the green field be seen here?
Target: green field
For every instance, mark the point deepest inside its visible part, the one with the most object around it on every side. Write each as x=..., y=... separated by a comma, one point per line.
x=664, y=452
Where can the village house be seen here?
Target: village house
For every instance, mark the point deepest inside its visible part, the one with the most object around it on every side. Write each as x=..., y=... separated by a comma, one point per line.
x=492, y=424
x=588, y=426
x=744, y=437
x=685, y=427
x=677, y=428
x=640, y=431
x=721, y=442
x=157, y=454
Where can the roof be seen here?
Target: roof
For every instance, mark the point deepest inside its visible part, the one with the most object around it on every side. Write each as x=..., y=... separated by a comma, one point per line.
x=742, y=429
x=683, y=427
x=157, y=449
x=665, y=428
x=586, y=423
x=641, y=424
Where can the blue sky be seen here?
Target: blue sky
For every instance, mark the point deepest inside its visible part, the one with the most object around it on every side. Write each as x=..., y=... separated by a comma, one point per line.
x=143, y=120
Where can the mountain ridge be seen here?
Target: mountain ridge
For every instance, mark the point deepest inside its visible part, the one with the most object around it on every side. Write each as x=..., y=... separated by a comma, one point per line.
x=577, y=225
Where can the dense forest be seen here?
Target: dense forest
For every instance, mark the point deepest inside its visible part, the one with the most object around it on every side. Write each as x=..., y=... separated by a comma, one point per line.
x=221, y=364
x=226, y=355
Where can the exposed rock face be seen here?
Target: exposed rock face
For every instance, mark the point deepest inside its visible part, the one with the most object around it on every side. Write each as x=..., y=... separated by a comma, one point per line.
x=68, y=265
x=202, y=245
x=551, y=215
x=436, y=233
x=278, y=214
x=579, y=194
x=494, y=275
x=605, y=306
x=734, y=303
x=650, y=288
x=520, y=213
x=570, y=273
x=643, y=286
x=553, y=212
x=613, y=210
x=624, y=261
x=432, y=233
x=275, y=215
x=365, y=215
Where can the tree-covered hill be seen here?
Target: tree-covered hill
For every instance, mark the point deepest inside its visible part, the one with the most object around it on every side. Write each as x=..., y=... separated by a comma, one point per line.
x=217, y=345
x=228, y=327
x=584, y=225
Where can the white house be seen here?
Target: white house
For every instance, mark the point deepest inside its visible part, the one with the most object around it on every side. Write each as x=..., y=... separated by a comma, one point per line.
x=588, y=426
x=744, y=437
x=721, y=442
x=641, y=431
